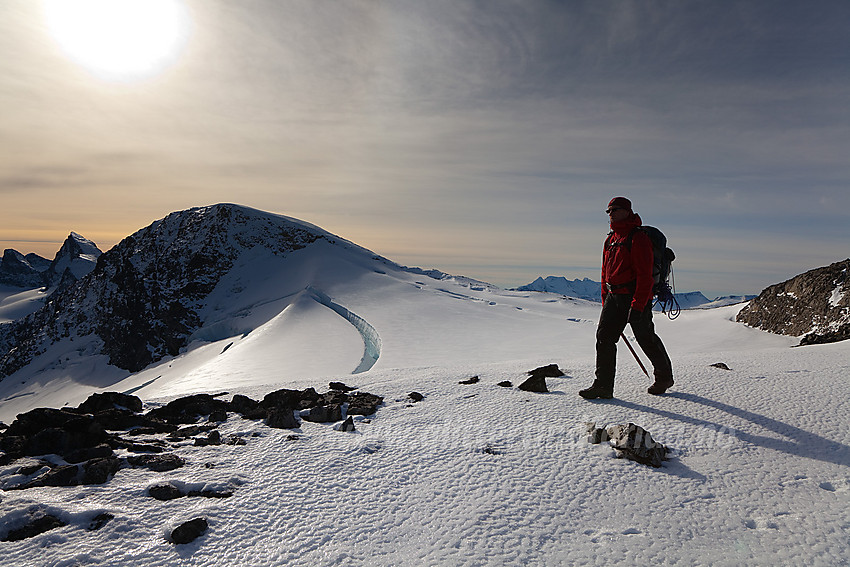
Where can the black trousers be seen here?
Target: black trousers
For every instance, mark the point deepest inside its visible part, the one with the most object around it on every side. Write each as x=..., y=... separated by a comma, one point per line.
x=612, y=322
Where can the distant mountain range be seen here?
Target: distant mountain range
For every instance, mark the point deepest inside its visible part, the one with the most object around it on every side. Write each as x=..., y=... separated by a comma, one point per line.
x=591, y=291
x=74, y=260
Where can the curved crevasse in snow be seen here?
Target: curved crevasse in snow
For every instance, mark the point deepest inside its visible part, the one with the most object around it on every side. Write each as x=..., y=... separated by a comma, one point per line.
x=371, y=338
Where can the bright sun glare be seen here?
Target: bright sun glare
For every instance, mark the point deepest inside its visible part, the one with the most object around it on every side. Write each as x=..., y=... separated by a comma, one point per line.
x=119, y=40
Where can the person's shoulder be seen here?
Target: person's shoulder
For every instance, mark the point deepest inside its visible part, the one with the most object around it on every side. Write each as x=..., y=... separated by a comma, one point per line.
x=640, y=235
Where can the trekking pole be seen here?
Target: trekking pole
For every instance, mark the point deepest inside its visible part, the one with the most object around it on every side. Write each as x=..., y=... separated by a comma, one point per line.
x=628, y=344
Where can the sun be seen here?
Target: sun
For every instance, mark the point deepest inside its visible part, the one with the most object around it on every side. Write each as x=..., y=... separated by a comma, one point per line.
x=119, y=40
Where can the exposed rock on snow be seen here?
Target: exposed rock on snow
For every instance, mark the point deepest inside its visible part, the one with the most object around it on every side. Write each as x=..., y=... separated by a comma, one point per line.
x=534, y=383
x=188, y=532
x=814, y=305
x=548, y=371
x=629, y=441
x=37, y=524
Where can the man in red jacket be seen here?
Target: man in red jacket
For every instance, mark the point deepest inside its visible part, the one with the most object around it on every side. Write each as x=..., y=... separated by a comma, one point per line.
x=626, y=298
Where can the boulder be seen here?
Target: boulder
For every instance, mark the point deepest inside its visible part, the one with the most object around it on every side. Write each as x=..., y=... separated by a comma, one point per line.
x=102, y=401
x=281, y=418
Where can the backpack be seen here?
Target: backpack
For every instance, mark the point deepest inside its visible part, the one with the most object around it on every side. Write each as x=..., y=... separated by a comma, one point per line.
x=662, y=259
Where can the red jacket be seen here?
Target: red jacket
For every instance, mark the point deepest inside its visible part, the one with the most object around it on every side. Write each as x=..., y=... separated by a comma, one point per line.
x=628, y=271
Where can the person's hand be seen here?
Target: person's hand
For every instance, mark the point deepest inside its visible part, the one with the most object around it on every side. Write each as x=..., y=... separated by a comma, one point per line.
x=634, y=315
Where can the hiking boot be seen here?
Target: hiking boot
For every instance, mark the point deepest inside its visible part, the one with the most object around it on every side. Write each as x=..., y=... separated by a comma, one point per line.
x=596, y=392
x=660, y=385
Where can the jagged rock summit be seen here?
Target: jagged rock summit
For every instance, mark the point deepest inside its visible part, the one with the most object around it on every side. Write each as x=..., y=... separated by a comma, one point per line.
x=17, y=270
x=75, y=259
x=148, y=294
x=814, y=305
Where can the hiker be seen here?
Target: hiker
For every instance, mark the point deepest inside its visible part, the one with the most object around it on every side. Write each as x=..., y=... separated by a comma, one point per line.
x=627, y=283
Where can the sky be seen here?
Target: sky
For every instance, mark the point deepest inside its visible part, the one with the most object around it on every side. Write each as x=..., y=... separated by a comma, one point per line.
x=482, y=138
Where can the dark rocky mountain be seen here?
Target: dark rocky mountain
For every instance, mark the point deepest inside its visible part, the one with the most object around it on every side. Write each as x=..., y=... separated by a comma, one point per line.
x=142, y=298
x=18, y=270
x=76, y=258
x=814, y=305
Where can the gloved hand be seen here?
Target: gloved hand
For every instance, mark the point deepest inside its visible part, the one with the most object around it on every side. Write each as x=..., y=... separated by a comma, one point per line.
x=634, y=315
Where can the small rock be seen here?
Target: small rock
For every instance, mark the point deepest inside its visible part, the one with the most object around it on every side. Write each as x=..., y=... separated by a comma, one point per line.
x=549, y=371
x=347, y=425
x=535, y=383
x=35, y=527
x=415, y=397
x=505, y=384
x=99, y=521
x=166, y=491
x=720, y=365
x=636, y=443
x=188, y=532
x=340, y=387
x=473, y=380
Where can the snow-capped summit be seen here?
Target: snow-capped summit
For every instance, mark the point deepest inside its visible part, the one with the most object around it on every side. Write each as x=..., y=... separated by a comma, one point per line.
x=74, y=260
x=148, y=295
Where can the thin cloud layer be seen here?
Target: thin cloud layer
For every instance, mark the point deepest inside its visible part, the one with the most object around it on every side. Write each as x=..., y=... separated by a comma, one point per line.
x=481, y=138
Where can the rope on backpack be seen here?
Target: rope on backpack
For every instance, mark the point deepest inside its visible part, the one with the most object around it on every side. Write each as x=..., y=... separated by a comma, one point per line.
x=665, y=296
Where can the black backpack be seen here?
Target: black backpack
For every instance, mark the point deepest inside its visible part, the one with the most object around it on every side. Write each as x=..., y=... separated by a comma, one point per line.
x=662, y=259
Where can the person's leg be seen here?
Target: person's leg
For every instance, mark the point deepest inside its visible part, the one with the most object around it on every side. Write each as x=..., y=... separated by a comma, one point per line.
x=612, y=321
x=650, y=343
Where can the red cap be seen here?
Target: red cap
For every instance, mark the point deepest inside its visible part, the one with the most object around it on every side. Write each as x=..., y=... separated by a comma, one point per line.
x=620, y=203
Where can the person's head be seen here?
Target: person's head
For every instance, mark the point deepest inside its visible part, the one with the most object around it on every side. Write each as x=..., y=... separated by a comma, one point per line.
x=619, y=208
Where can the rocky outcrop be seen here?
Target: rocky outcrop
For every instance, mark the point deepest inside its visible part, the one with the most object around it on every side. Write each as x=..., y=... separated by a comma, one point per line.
x=22, y=271
x=814, y=306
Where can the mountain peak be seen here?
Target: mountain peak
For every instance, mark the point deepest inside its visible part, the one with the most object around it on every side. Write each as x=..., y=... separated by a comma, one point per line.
x=145, y=297
x=74, y=260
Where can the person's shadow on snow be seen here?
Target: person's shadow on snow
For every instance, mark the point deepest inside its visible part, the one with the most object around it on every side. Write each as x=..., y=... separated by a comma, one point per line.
x=798, y=442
